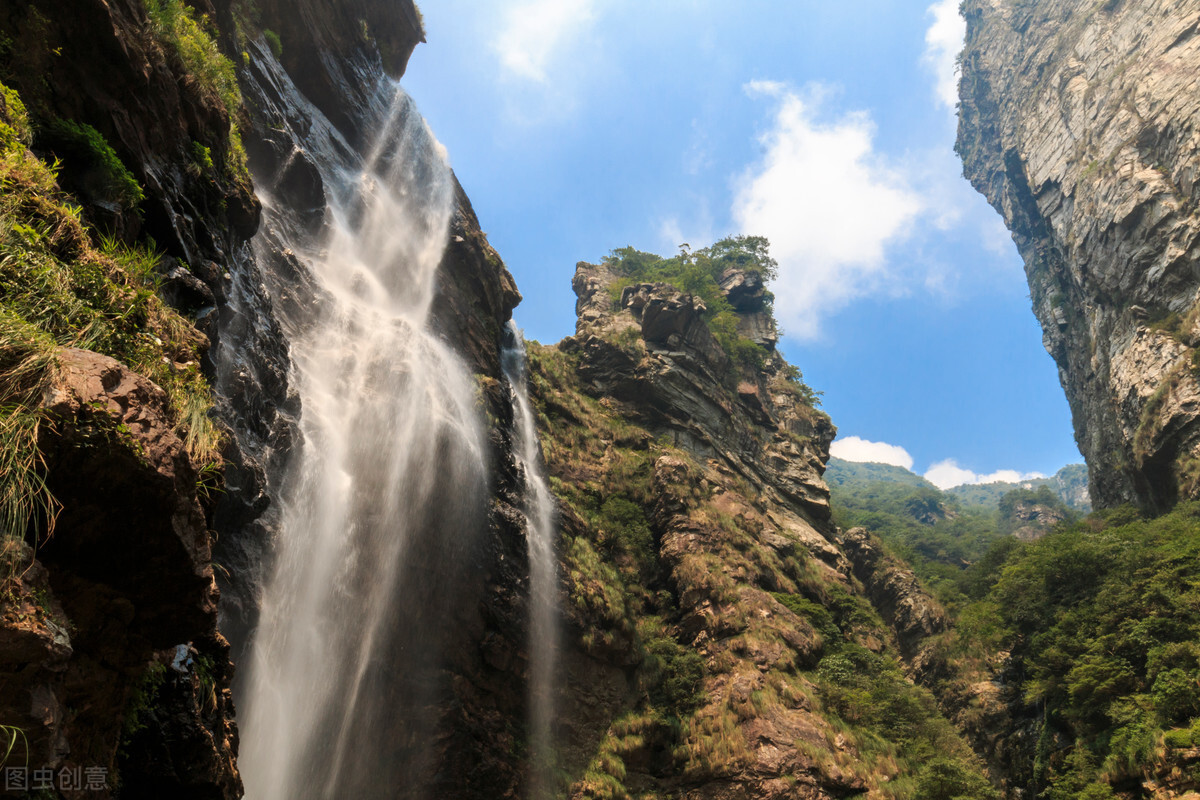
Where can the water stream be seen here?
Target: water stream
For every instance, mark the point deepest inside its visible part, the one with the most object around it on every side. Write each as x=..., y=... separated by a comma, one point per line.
x=543, y=578
x=384, y=493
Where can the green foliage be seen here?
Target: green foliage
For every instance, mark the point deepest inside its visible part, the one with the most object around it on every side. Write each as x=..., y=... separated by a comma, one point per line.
x=1102, y=620
x=12, y=734
x=143, y=701
x=675, y=676
x=1066, y=484
x=699, y=273
x=15, y=130
x=854, y=474
x=194, y=46
x=870, y=692
x=795, y=380
x=626, y=523
x=86, y=150
x=928, y=528
x=817, y=615
x=202, y=162
x=950, y=779
x=273, y=42
x=1043, y=497
x=59, y=289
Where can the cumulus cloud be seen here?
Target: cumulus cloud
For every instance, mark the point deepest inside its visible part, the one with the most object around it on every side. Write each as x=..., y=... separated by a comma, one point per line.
x=532, y=33
x=948, y=474
x=827, y=202
x=943, y=43
x=853, y=448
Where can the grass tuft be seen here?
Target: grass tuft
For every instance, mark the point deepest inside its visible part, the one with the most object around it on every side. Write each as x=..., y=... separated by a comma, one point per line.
x=59, y=288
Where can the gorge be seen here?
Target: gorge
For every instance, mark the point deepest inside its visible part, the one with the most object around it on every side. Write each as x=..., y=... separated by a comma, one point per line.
x=294, y=510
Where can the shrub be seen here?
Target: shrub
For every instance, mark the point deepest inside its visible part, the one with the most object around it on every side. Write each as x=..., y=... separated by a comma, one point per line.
x=83, y=147
x=699, y=273
x=58, y=289
x=175, y=25
x=15, y=131
x=273, y=42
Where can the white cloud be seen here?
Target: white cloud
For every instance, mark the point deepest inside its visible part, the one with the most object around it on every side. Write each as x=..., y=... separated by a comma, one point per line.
x=948, y=474
x=852, y=448
x=943, y=42
x=534, y=32
x=828, y=204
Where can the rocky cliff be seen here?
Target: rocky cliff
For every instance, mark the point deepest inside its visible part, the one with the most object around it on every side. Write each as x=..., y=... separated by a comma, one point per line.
x=114, y=151
x=138, y=247
x=1079, y=123
x=722, y=643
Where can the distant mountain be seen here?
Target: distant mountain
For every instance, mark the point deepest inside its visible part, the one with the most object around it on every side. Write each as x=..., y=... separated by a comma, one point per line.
x=850, y=473
x=1070, y=484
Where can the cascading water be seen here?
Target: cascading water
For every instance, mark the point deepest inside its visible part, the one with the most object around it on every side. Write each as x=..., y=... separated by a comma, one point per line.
x=385, y=493
x=543, y=577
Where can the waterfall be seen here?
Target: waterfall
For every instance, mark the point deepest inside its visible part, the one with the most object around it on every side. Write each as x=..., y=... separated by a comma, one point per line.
x=384, y=496
x=543, y=578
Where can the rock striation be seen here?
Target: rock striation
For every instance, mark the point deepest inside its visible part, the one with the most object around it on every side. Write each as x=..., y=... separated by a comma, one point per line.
x=1078, y=122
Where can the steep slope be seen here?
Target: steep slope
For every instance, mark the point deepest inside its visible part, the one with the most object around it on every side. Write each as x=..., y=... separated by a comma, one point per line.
x=720, y=643
x=108, y=639
x=1079, y=123
x=109, y=141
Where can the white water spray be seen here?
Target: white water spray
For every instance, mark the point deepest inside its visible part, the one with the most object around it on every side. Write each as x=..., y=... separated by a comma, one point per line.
x=382, y=499
x=543, y=576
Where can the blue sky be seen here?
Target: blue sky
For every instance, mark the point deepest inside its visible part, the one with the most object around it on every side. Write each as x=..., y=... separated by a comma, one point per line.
x=580, y=126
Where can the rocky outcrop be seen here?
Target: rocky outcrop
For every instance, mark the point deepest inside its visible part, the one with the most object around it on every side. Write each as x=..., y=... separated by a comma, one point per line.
x=912, y=613
x=1032, y=520
x=97, y=62
x=653, y=349
x=1079, y=123
x=125, y=579
x=707, y=593
x=334, y=51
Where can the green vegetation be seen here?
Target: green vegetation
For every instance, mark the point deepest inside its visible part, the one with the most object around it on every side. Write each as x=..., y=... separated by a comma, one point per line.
x=61, y=288
x=786, y=639
x=143, y=701
x=1102, y=620
x=894, y=721
x=191, y=42
x=273, y=42
x=12, y=734
x=87, y=152
x=699, y=273
x=950, y=544
x=15, y=130
x=929, y=529
x=852, y=473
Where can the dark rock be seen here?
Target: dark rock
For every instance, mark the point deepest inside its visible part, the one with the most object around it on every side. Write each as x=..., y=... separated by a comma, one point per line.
x=894, y=591
x=181, y=289
x=126, y=572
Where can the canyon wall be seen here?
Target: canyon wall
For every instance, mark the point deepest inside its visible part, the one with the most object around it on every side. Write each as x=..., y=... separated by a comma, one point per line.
x=1078, y=122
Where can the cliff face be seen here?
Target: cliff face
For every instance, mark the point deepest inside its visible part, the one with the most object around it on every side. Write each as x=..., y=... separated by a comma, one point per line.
x=95, y=616
x=311, y=113
x=108, y=632
x=1079, y=123
x=721, y=643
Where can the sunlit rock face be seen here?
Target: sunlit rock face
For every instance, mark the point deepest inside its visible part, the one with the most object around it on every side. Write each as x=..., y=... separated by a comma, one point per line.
x=1079, y=123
